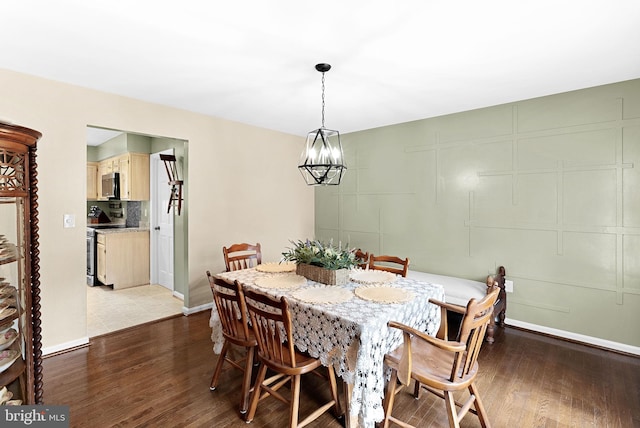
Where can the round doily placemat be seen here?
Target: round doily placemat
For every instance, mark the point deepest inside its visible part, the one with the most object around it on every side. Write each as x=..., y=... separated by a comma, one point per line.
x=372, y=277
x=384, y=294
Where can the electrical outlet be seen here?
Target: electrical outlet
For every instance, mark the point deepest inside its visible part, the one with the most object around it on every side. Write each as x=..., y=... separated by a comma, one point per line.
x=508, y=286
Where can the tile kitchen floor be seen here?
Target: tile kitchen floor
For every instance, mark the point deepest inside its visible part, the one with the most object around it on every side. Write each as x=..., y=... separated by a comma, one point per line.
x=110, y=310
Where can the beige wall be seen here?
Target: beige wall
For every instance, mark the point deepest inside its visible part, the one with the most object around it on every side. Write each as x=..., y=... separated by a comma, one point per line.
x=232, y=197
x=547, y=187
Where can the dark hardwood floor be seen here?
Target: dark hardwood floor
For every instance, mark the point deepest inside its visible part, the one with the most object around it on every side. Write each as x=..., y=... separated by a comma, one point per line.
x=158, y=374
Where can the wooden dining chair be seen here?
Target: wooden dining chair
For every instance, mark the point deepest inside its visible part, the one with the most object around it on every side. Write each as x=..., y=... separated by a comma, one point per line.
x=364, y=256
x=273, y=329
x=229, y=300
x=391, y=264
x=441, y=366
x=242, y=256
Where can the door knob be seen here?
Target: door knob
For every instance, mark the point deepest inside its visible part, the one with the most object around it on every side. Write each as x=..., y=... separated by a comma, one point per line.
x=156, y=228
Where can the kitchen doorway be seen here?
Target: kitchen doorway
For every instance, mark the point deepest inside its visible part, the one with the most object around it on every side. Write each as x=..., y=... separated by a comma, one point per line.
x=111, y=310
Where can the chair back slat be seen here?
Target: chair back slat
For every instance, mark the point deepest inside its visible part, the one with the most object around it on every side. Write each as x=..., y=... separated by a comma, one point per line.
x=272, y=326
x=472, y=331
x=267, y=328
x=405, y=366
x=229, y=301
x=242, y=256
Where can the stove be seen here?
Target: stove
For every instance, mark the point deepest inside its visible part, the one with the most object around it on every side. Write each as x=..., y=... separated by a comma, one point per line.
x=91, y=257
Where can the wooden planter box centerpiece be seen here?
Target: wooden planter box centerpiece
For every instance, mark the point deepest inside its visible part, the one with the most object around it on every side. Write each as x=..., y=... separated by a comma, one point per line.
x=323, y=275
x=322, y=262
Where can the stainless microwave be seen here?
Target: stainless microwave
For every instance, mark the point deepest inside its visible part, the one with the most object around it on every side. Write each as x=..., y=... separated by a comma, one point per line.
x=111, y=185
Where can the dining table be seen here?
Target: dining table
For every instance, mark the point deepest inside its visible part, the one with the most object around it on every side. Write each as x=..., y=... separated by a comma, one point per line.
x=345, y=326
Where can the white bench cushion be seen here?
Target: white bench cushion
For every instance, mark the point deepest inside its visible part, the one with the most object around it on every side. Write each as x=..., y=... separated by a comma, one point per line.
x=457, y=291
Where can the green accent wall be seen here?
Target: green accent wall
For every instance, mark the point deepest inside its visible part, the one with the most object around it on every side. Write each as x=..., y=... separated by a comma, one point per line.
x=123, y=143
x=547, y=187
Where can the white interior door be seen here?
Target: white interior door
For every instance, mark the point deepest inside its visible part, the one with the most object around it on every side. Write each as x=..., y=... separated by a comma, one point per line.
x=161, y=224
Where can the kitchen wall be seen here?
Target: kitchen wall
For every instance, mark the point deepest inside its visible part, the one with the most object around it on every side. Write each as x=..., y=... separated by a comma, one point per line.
x=123, y=143
x=218, y=211
x=547, y=187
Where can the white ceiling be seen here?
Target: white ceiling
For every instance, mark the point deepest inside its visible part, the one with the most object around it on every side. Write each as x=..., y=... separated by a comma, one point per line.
x=253, y=61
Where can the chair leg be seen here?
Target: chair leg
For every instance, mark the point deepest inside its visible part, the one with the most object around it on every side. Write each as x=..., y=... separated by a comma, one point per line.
x=218, y=369
x=246, y=380
x=255, y=397
x=452, y=413
x=334, y=391
x=416, y=390
x=295, y=401
x=389, y=398
x=482, y=413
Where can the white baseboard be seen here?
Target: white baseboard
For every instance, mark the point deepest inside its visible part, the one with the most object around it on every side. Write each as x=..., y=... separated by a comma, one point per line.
x=178, y=295
x=196, y=309
x=595, y=341
x=65, y=346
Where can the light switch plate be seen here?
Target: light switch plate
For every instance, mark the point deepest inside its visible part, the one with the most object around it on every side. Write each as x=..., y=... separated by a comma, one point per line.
x=69, y=220
x=508, y=286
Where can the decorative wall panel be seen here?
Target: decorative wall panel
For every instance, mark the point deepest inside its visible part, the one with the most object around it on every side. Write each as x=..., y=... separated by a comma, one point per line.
x=548, y=187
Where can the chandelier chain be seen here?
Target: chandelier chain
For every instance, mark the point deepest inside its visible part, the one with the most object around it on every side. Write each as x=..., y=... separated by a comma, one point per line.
x=323, y=99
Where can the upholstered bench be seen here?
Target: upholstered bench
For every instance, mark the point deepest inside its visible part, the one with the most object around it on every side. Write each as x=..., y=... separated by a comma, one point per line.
x=458, y=291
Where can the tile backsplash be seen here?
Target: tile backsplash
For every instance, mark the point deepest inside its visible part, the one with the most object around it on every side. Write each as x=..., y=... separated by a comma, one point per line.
x=132, y=213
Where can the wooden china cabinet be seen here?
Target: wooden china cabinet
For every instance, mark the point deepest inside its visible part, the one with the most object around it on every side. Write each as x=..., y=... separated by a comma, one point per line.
x=20, y=331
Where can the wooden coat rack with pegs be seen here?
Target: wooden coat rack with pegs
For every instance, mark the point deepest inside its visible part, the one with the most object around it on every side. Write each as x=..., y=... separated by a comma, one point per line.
x=175, y=200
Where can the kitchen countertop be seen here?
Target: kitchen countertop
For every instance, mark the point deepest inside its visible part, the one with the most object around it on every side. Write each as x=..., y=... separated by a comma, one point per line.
x=122, y=230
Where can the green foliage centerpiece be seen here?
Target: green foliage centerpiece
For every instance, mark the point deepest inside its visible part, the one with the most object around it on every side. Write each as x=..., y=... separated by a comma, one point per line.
x=322, y=262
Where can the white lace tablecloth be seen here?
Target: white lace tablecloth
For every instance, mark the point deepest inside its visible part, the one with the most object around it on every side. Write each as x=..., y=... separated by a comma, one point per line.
x=352, y=336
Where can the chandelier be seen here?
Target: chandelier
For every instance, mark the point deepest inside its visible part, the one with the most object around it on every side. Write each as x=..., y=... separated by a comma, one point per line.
x=322, y=160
